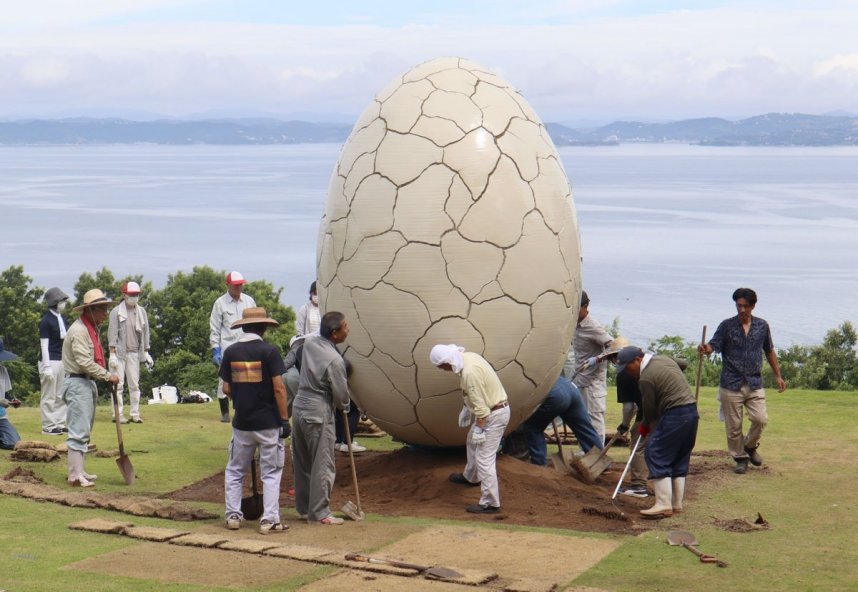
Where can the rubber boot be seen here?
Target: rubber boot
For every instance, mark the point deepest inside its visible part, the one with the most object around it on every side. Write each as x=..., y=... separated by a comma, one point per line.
x=76, y=476
x=678, y=494
x=663, y=507
x=224, y=410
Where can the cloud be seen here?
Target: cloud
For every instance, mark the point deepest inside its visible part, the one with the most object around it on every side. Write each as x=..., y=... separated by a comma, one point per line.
x=681, y=63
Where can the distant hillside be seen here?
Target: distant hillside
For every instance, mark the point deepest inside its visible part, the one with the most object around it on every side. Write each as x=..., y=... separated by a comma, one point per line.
x=774, y=129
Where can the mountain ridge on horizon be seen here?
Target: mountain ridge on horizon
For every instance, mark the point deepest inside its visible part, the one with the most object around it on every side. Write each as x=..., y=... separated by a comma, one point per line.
x=771, y=129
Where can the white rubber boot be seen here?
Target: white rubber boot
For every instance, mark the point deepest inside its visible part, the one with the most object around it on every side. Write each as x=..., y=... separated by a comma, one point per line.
x=663, y=507
x=678, y=494
x=76, y=476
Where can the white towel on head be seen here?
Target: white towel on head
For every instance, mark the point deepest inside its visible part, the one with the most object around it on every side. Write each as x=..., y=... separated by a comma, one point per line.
x=448, y=354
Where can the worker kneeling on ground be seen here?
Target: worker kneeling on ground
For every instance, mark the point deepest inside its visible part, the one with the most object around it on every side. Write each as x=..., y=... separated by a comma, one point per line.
x=670, y=413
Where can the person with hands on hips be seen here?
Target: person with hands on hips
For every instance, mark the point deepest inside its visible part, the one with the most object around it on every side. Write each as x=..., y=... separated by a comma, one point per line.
x=84, y=363
x=487, y=407
x=128, y=341
x=226, y=310
x=669, y=424
x=250, y=371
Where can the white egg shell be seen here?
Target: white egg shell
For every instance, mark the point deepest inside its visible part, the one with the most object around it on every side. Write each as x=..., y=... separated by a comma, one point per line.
x=449, y=219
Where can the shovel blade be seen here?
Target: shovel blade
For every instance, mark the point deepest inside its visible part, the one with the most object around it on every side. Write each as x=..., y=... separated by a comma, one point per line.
x=592, y=464
x=681, y=538
x=559, y=463
x=442, y=573
x=352, y=511
x=126, y=468
x=252, y=507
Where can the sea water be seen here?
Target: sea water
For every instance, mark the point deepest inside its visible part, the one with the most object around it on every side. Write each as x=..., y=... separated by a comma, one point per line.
x=668, y=231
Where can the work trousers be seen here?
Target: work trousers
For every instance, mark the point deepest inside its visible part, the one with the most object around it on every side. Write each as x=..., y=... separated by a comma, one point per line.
x=272, y=456
x=129, y=373
x=482, y=457
x=732, y=404
x=671, y=442
x=8, y=434
x=313, y=459
x=79, y=394
x=51, y=403
x=595, y=397
x=638, y=469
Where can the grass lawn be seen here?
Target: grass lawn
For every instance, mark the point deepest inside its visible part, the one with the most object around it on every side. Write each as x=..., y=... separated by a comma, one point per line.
x=807, y=496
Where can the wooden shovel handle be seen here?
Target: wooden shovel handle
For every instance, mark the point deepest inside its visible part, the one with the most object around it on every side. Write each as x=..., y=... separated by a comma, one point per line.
x=704, y=558
x=699, y=367
x=368, y=559
x=116, y=419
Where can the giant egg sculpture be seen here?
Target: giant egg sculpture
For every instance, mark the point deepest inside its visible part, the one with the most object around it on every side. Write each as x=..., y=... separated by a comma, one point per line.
x=449, y=219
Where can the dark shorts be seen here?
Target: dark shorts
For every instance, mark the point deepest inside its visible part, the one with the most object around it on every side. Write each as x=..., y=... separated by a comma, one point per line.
x=670, y=444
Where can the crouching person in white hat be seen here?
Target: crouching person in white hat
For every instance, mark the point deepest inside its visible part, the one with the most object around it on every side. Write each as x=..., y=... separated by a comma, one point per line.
x=84, y=363
x=486, y=400
x=670, y=414
x=128, y=340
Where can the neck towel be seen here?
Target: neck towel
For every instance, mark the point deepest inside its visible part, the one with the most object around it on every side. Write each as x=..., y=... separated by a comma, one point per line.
x=93, y=335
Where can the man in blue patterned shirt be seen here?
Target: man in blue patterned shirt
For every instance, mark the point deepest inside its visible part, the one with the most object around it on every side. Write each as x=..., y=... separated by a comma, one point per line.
x=742, y=340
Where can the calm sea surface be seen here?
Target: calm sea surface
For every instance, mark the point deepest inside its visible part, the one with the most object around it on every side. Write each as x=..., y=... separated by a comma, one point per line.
x=667, y=231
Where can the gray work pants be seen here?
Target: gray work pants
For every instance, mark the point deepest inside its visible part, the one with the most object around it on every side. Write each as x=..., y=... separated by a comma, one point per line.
x=272, y=455
x=313, y=438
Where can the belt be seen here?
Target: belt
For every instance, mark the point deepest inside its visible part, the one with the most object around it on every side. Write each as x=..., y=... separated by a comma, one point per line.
x=84, y=376
x=500, y=406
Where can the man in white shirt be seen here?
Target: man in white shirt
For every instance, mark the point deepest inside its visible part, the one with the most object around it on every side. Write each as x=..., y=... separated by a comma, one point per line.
x=128, y=340
x=227, y=310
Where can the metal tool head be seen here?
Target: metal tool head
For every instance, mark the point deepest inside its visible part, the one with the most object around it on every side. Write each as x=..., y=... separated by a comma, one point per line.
x=681, y=538
x=352, y=511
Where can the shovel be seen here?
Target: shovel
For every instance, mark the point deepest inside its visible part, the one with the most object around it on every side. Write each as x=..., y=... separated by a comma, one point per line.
x=350, y=509
x=595, y=462
x=558, y=459
x=689, y=541
x=252, y=507
x=626, y=470
x=443, y=573
x=123, y=462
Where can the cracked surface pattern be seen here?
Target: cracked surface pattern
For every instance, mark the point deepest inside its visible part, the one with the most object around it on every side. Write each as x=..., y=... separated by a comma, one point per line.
x=449, y=219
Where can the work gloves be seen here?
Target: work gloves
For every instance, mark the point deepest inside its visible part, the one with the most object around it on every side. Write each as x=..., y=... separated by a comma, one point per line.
x=147, y=359
x=465, y=417
x=285, y=429
x=113, y=364
x=217, y=356
x=14, y=402
x=478, y=435
x=643, y=430
x=622, y=429
x=47, y=371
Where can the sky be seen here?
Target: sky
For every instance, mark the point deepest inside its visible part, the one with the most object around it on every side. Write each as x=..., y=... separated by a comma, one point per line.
x=575, y=61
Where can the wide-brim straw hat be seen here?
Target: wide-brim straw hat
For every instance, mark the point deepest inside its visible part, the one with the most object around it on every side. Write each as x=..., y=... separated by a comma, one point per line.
x=616, y=345
x=94, y=297
x=254, y=316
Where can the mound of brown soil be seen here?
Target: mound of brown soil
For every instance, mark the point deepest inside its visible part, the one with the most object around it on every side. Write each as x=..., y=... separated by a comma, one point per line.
x=413, y=482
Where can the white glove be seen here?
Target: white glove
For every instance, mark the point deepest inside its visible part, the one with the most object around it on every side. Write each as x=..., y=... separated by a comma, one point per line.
x=465, y=417
x=478, y=435
x=47, y=370
x=147, y=359
x=591, y=362
x=113, y=364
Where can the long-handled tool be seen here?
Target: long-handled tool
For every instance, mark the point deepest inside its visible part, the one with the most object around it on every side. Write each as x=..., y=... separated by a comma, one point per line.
x=628, y=464
x=699, y=366
x=123, y=462
x=689, y=541
x=252, y=507
x=355, y=512
x=558, y=460
x=444, y=573
x=595, y=462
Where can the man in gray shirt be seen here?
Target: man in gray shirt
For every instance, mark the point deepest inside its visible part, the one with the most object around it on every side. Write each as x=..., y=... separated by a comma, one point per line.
x=322, y=391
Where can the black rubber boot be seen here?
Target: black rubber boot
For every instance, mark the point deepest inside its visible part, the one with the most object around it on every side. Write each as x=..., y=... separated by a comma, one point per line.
x=224, y=410
x=754, y=456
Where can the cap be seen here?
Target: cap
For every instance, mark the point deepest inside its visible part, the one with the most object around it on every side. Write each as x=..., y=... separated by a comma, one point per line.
x=585, y=300
x=131, y=288
x=627, y=355
x=233, y=278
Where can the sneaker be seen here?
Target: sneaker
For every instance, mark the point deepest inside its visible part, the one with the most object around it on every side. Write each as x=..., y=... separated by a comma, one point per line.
x=136, y=420
x=634, y=491
x=741, y=467
x=331, y=520
x=122, y=419
x=224, y=418
x=266, y=527
x=482, y=509
x=754, y=457
x=343, y=447
x=233, y=522
x=53, y=432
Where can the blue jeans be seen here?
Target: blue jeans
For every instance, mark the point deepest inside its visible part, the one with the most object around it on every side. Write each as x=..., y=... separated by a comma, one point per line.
x=564, y=400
